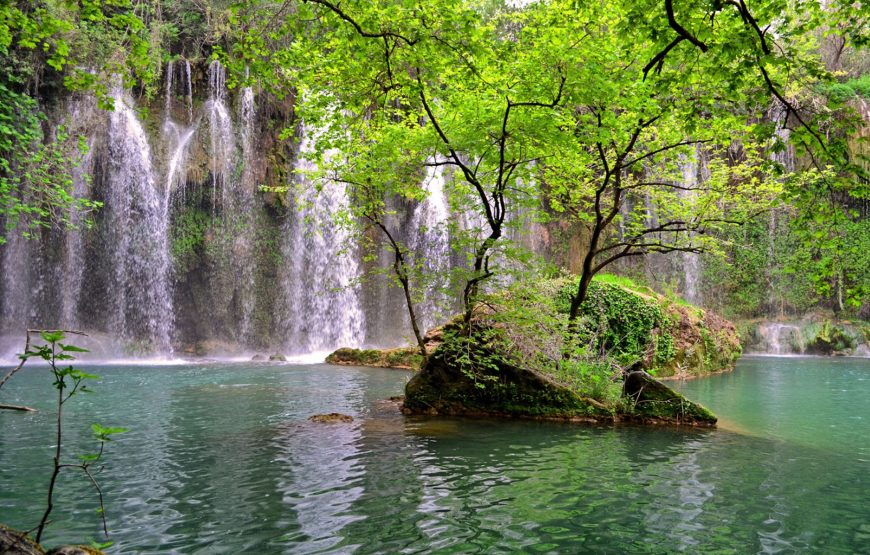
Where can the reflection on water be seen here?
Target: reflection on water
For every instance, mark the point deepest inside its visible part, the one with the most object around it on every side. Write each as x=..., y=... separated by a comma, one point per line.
x=222, y=459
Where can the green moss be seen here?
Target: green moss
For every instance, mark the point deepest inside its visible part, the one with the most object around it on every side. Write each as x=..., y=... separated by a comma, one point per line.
x=187, y=238
x=622, y=322
x=407, y=357
x=829, y=339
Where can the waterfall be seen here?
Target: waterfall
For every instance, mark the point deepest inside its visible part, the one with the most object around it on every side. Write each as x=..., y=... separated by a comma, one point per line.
x=167, y=108
x=431, y=246
x=321, y=303
x=73, y=250
x=785, y=157
x=691, y=260
x=135, y=231
x=244, y=242
x=177, y=138
x=781, y=339
x=220, y=133
x=189, y=92
x=18, y=310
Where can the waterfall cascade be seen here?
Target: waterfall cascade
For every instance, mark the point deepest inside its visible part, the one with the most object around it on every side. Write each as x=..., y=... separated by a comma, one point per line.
x=221, y=134
x=430, y=245
x=693, y=168
x=244, y=243
x=135, y=230
x=322, y=307
x=781, y=339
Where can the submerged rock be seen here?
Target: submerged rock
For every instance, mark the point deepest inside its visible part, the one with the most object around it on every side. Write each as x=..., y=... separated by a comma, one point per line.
x=331, y=418
x=75, y=550
x=259, y=358
x=277, y=357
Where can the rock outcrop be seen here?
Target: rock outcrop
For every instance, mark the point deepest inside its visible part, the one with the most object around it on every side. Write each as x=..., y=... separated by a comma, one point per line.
x=441, y=388
x=519, y=357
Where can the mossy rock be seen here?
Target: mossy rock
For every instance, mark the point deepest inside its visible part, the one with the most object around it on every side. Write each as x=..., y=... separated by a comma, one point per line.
x=13, y=542
x=443, y=388
x=408, y=358
x=669, y=337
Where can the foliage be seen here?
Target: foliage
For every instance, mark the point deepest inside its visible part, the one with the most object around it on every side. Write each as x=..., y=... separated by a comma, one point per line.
x=833, y=237
x=525, y=326
x=624, y=325
x=828, y=338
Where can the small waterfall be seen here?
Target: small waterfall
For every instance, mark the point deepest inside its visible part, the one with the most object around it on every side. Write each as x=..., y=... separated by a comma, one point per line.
x=178, y=138
x=189, y=92
x=431, y=246
x=785, y=155
x=691, y=260
x=167, y=108
x=18, y=310
x=781, y=339
x=220, y=133
x=245, y=194
x=135, y=230
x=73, y=249
x=322, y=307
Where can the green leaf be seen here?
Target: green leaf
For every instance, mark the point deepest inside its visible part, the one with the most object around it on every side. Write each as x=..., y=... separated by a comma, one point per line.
x=102, y=432
x=51, y=336
x=73, y=348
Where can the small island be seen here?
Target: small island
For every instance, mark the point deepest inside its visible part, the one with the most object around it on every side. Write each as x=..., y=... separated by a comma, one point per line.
x=521, y=359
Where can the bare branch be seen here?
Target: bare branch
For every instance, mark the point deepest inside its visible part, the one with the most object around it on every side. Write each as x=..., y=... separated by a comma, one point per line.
x=334, y=8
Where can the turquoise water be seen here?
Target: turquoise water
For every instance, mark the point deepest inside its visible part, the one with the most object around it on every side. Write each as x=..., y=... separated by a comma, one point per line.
x=221, y=459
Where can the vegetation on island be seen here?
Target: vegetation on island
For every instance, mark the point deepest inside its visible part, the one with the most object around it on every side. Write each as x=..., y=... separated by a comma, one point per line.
x=522, y=359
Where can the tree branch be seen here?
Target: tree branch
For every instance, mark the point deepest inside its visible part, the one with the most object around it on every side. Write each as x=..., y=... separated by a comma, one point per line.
x=334, y=8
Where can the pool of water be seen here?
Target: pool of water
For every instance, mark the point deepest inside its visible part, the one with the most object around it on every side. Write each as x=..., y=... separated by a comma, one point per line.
x=220, y=458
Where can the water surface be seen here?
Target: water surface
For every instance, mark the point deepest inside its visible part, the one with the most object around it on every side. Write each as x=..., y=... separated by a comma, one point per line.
x=221, y=459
